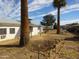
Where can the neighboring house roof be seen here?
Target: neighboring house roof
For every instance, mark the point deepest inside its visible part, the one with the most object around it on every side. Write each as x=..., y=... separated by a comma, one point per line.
x=34, y=25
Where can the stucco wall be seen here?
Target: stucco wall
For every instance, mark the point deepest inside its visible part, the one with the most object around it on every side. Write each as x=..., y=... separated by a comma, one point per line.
x=35, y=31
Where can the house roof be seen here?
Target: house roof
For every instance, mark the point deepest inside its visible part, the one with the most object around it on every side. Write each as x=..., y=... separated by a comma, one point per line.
x=9, y=25
x=13, y=23
x=8, y=22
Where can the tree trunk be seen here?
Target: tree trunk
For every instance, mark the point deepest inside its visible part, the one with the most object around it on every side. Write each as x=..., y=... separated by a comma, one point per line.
x=58, y=21
x=24, y=23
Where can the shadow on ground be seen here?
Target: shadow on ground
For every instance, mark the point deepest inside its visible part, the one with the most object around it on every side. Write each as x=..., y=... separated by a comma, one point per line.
x=76, y=38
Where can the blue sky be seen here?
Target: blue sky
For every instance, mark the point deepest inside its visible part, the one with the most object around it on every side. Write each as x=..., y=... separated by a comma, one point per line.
x=10, y=9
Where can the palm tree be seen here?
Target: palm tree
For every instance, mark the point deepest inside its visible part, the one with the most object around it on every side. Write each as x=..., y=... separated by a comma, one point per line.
x=24, y=23
x=58, y=4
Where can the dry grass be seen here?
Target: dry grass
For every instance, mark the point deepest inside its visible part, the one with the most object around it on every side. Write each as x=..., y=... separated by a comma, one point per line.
x=26, y=52
x=10, y=42
x=70, y=50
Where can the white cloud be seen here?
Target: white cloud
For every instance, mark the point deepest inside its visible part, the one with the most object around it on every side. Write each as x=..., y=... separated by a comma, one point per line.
x=71, y=10
x=5, y=7
x=64, y=10
x=16, y=11
x=67, y=9
x=38, y=4
x=9, y=9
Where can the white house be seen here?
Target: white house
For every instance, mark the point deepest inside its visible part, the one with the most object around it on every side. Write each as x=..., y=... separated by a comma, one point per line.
x=10, y=29
x=35, y=29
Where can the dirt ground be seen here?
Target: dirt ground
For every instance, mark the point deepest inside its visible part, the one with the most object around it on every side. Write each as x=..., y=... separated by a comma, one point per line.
x=10, y=42
x=27, y=53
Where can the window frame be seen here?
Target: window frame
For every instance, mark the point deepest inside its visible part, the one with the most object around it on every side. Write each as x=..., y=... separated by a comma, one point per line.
x=12, y=30
x=3, y=31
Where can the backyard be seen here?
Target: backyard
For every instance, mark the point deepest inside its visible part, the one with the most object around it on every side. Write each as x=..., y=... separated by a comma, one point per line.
x=44, y=46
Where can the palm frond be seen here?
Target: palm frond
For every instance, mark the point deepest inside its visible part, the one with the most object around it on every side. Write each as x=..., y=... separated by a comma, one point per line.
x=59, y=3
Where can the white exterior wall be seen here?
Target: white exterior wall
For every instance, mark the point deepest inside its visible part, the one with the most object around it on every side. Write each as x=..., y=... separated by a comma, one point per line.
x=8, y=35
x=35, y=31
x=41, y=29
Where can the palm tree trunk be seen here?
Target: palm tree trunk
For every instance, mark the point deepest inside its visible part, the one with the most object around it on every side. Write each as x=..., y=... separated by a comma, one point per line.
x=24, y=23
x=58, y=21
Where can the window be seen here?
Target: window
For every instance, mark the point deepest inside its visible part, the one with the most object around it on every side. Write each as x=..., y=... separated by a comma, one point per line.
x=12, y=30
x=3, y=36
x=2, y=31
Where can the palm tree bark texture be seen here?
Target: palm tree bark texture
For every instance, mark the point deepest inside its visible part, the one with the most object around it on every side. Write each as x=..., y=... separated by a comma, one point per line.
x=58, y=21
x=58, y=4
x=24, y=23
